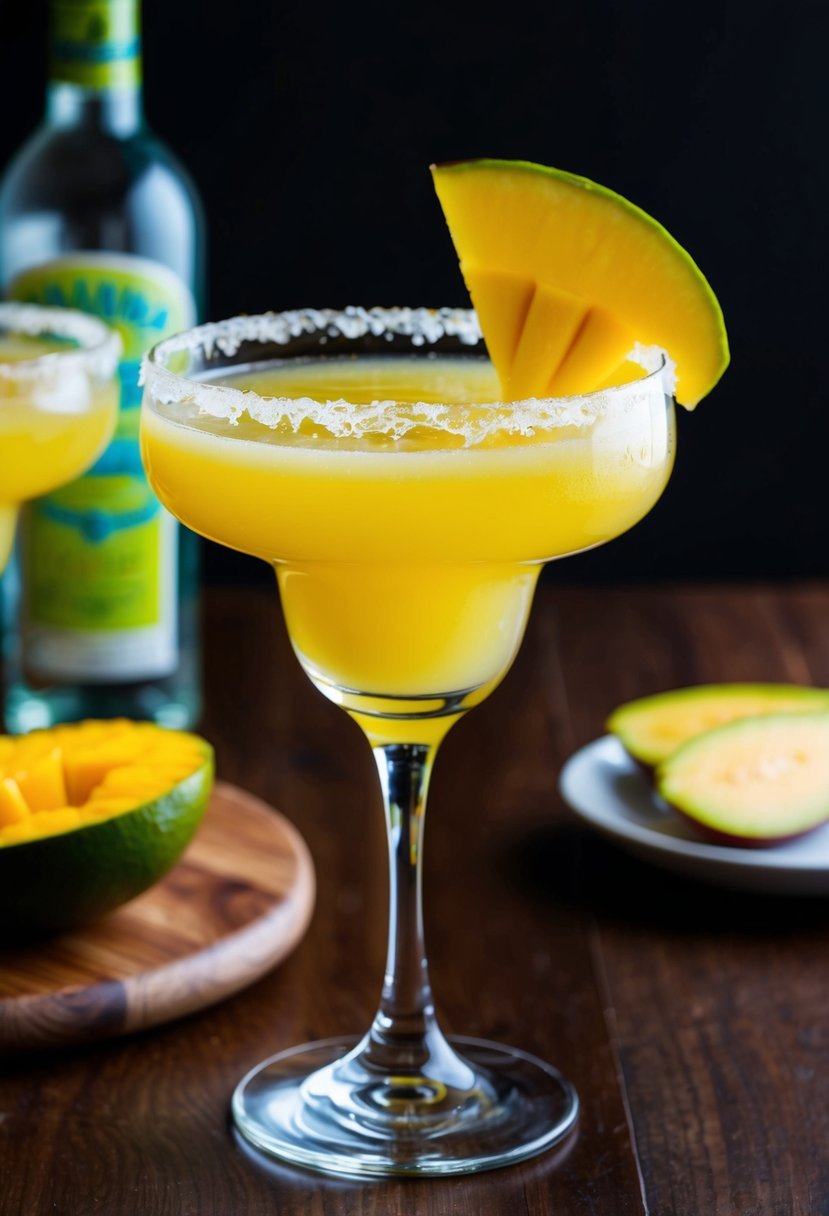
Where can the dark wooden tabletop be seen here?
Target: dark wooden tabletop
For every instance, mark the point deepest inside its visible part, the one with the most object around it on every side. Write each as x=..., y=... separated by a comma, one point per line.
x=693, y=1020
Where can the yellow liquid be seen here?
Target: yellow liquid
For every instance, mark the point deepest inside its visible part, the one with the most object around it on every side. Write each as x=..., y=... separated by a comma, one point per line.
x=406, y=566
x=47, y=437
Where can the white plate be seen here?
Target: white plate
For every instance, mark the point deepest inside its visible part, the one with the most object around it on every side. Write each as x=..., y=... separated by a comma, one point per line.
x=607, y=790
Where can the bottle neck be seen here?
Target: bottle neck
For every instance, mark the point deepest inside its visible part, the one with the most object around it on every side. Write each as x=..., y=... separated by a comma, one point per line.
x=95, y=69
x=118, y=112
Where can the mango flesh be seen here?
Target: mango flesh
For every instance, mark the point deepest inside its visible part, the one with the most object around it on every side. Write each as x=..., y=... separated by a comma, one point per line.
x=652, y=728
x=568, y=277
x=754, y=782
x=56, y=780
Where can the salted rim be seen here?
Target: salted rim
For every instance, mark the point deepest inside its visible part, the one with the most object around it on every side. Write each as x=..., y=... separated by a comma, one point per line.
x=98, y=352
x=424, y=326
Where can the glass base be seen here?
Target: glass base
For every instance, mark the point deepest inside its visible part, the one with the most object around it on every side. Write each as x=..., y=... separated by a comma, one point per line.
x=318, y=1106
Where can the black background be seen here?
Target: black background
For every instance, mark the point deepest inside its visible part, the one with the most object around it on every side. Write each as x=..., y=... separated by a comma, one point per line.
x=309, y=129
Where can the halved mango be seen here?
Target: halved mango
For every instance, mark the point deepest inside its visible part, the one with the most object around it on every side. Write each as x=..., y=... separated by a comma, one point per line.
x=758, y=781
x=91, y=815
x=567, y=277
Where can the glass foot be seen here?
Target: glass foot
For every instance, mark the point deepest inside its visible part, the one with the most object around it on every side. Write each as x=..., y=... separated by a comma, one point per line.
x=319, y=1106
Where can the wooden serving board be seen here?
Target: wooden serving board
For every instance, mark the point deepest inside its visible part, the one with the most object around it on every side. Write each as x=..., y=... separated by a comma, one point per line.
x=236, y=904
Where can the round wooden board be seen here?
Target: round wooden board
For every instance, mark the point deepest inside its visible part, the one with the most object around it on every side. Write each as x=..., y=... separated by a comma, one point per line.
x=236, y=904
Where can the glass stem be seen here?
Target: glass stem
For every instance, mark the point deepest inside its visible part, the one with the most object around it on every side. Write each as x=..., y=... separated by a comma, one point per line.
x=404, y=1039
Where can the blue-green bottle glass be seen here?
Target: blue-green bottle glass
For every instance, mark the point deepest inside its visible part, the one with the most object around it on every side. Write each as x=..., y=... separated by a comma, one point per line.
x=95, y=213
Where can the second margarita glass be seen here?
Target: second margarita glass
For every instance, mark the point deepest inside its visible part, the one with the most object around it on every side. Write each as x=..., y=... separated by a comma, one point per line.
x=58, y=402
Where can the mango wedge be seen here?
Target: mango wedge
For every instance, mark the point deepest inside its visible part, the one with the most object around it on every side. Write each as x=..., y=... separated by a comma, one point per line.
x=568, y=277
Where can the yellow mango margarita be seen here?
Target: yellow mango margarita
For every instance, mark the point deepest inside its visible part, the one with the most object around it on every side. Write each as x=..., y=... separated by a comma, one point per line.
x=54, y=420
x=406, y=511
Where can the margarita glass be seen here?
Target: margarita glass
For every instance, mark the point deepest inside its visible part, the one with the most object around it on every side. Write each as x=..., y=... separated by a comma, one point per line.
x=58, y=402
x=407, y=512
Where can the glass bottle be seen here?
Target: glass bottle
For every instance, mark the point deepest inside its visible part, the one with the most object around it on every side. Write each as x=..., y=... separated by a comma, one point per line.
x=96, y=214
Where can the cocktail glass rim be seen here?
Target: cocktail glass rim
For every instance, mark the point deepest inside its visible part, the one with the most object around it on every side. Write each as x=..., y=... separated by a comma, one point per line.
x=97, y=351
x=422, y=326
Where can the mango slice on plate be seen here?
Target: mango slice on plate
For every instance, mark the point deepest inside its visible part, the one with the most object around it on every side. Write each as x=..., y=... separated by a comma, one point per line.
x=754, y=782
x=651, y=728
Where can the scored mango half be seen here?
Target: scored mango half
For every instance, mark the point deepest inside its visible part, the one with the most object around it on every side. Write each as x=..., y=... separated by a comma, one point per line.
x=91, y=814
x=568, y=278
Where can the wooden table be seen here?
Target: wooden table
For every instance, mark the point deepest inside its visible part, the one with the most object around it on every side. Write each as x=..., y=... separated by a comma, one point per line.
x=694, y=1021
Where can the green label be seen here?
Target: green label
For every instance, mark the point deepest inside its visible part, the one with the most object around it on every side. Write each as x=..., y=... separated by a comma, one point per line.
x=96, y=43
x=97, y=559
x=87, y=569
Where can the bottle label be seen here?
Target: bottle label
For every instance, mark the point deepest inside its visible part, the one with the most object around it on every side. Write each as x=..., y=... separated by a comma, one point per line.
x=99, y=556
x=96, y=44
